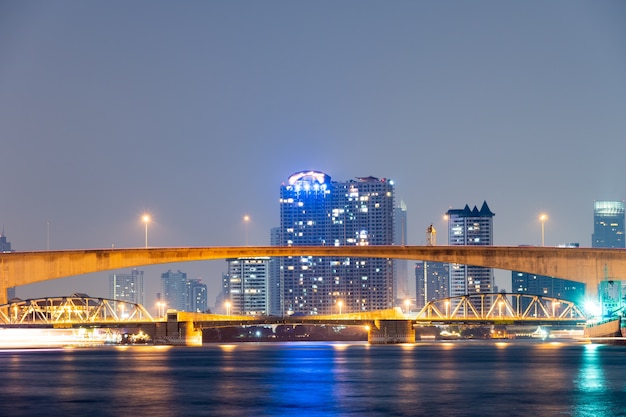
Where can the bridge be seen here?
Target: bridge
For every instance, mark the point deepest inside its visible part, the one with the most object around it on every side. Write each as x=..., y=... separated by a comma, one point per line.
x=80, y=311
x=586, y=265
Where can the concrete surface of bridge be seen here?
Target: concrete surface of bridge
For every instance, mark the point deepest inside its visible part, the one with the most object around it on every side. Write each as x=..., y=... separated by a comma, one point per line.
x=587, y=265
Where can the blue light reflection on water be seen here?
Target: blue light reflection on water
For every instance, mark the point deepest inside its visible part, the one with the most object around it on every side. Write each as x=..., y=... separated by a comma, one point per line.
x=318, y=379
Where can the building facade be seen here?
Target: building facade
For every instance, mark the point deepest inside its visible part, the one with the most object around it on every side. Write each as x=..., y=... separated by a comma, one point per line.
x=608, y=224
x=317, y=211
x=197, y=296
x=127, y=287
x=470, y=227
x=246, y=284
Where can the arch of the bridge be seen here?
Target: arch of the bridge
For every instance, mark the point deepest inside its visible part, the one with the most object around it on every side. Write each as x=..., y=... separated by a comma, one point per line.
x=76, y=308
x=494, y=306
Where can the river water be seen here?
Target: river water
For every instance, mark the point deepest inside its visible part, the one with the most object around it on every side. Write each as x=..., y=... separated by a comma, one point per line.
x=460, y=378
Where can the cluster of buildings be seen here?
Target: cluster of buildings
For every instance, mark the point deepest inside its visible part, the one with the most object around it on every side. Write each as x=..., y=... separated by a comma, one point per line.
x=316, y=210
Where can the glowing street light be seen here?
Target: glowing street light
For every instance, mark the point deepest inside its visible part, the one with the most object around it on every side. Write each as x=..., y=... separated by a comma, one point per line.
x=407, y=303
x=340, y=304
x=542, y=218
x=447, y=305
x=146, y=220
x=555, y=304
x=246, y=220
x=227, y=304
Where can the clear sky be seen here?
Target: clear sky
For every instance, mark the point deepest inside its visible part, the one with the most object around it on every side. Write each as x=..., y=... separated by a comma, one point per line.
x=197, y=111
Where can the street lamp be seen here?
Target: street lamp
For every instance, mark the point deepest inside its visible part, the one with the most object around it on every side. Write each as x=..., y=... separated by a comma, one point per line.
x=542, y=219
x=407, y=303
x=146, y=220
x=227, y=304
x=447, y=305
x=246, y=219
x=340, y=304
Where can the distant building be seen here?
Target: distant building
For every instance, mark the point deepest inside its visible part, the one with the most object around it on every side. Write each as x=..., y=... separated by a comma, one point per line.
x=127, y=287
x=197, y=296
x=315, y=211
x=247, y=281
x=175, y=290
x=470, y=227
x=400, y=266
x=532, y=284
x=431, y=282
x=5, y=246
x=608, y=224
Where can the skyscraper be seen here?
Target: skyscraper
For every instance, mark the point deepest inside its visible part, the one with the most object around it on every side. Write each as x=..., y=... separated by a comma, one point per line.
x=317, y=211
x=470, y=227
x=608, y=224
x=127, y=287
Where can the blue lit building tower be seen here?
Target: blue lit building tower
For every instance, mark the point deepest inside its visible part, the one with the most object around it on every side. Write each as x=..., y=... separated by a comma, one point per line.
x=608, y=224
x=317, y=211
x=470, y=227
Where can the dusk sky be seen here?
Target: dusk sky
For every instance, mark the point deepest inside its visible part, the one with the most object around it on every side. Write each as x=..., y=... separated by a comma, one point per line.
x=197, y=111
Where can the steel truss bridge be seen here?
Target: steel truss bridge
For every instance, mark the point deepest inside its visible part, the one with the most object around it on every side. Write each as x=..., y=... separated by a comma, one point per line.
x=487, y=308
x=75, y=309
x=501, y=308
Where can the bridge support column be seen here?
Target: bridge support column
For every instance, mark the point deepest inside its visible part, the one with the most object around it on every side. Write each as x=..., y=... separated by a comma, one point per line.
x=391, y=331
x=189, y=335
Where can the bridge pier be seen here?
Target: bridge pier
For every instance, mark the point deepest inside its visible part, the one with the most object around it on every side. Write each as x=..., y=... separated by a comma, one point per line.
x=181, y=332
x=391, y=331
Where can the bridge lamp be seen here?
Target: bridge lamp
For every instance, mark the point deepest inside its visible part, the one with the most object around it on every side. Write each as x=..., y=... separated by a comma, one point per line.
x=146, y=219
x=407, y=303
x=542, y=218
x=340, y=304
x=447, y=306
x=227, y=304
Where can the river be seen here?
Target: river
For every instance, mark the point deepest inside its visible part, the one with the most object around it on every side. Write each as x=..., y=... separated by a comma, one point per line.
x=457, y=378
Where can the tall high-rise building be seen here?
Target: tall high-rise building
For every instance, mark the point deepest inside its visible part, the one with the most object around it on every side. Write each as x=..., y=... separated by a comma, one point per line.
x=400, y=266
x=608, y=224
x=174, y=290
x=317, y=211
x=470, y=227
x=532, y=284
x=247, y=285
x=431, y=282
x=127, y=287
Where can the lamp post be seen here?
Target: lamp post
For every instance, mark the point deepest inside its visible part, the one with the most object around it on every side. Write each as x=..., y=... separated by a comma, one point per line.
x=340, y=304
x=246, y=220
x=146, y=220
x=407, y=303
x=542, y=219
x=227, y=304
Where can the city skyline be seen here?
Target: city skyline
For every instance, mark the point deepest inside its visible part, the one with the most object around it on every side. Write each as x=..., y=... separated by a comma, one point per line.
x=195, y=113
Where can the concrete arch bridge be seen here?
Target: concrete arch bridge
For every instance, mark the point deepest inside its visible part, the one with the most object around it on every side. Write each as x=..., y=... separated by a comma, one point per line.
x=587, y=265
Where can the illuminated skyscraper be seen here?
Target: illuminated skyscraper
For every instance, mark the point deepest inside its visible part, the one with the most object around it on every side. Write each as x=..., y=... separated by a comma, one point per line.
x=315, y=211
x=127, y=287
x=470, y=227
x=608, y=224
